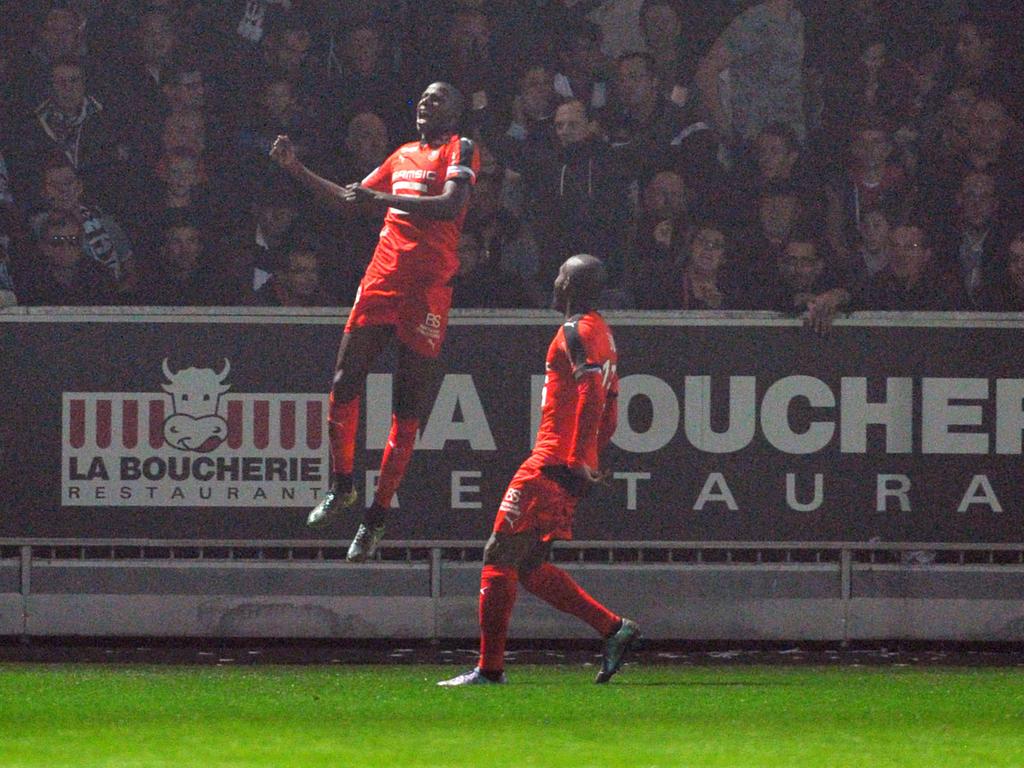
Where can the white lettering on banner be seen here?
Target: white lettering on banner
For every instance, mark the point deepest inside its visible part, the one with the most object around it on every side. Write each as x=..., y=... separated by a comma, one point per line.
x=697, y=414
x=813, y=504
x=193, y=444
x=938, y=415
x=458, y=393
x=775, y=414
x=716, y=489
x=631, y=478
x=459, y=489
x=665, y=419
x=1009, y=415
x=895, y=413
x=884, y=490
x=980, y=492
x=370, y=488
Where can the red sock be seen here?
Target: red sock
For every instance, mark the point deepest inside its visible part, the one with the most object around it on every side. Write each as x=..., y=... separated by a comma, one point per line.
x=556, y=587
x=396, y=458
x=497, y=596
x=342, y=423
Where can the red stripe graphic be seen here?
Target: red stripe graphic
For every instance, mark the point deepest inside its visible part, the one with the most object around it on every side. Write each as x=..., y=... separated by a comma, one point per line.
x=288, y=424
x=261, y=424
x=130, y=423
x=156, y=423
x=314, y=424
x=103, y=423
x=76, y=429
x=235, y=424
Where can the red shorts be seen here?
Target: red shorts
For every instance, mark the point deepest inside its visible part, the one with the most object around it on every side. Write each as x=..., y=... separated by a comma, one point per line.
x=420, y=316
x=535, y=502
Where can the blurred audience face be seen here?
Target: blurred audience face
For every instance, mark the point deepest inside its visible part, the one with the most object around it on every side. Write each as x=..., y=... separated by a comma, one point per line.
x=275, y=218
x=973, y=51
x=470, y=253
x=581, y=57
x=775, y=156
x=1015, y=262
x=289, y=50
x=871, y=148
x=277, y=99
x=469, y=33
x=977, y=199
x=537, y=92
x=661, y=26
x=707, y=249
x=68, y=85
x=184, y=132
x=301, y=278
x=874, y=231
x=362, y=50
x=873, y=57
x=186, y=92
x=61, y=34
x=62, y=189
x=182, y=174
x=800, y=265
x=367, y=140
x=571, y=123
x=182, y=248
x=634, y=82
x=778, y=213
x=665, y=196
x=989, y=127
x=156, y=37
x=61, y=244
x=908, y=252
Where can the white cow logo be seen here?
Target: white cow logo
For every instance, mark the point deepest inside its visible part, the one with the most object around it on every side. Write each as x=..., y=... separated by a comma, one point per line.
x=195, y=424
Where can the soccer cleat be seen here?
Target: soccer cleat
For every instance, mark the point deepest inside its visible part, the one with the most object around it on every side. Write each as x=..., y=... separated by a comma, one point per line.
x=615, y=648
x=473, y=677
x=365, y=542
x=330, y=508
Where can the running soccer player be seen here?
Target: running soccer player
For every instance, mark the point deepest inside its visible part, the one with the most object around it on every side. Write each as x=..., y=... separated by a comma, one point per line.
x=404, y=294
x=578, y=417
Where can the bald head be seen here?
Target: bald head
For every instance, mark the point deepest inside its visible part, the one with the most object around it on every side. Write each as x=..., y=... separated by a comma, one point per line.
x=578, y=287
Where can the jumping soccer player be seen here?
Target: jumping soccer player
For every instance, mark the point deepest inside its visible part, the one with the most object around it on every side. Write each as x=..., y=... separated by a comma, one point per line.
x=578, y=417
x=405, y=294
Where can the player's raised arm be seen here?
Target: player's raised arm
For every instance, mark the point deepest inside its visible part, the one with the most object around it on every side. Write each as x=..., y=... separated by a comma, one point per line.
x=283, y=153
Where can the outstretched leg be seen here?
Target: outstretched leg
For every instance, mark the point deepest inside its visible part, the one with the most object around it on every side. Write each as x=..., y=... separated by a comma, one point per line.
x=358, y=350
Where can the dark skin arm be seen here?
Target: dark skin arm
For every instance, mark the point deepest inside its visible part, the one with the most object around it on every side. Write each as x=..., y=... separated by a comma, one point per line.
x=444, y=207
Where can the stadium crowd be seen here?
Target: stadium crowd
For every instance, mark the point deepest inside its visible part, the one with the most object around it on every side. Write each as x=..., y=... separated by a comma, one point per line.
x=812, y=157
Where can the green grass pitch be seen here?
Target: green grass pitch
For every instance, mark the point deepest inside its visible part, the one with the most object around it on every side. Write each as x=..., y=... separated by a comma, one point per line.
x=80, y=716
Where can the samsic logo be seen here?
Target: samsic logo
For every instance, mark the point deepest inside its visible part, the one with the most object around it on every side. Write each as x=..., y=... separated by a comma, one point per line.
x=195, y=443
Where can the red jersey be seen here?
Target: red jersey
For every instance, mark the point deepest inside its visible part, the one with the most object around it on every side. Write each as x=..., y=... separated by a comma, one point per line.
x=579, y=408
x=413, y=250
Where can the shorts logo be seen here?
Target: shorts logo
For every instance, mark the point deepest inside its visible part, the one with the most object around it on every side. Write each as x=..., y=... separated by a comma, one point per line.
x=510, y=506
x=431, y=328
x=193, y=445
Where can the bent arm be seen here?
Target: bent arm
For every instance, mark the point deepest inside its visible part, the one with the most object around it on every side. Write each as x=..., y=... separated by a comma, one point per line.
x=444, y=207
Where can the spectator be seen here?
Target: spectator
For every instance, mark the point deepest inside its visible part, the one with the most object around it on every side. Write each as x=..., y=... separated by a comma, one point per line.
x=299, y=283
x=657, y=133
x=8, y=295
x=508, y=245
x=662, y=234
x=101, y=237
x=73, y=122
x=705, y=282
x=753, y=74
x=1005, y=293
x=144, y=73
x=805, y=281
x=870, y=253
x=870, y=178
x=181, y=272
x=482, y=281
x=61, y=274
x=913, y=279
x=582, y=66
x=662, y=29
x=579, y=203
x=972, y=243
x=774, y=163
x=59, y=35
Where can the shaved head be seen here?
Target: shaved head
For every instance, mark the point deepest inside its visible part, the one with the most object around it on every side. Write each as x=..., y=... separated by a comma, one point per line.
x=578, y=287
